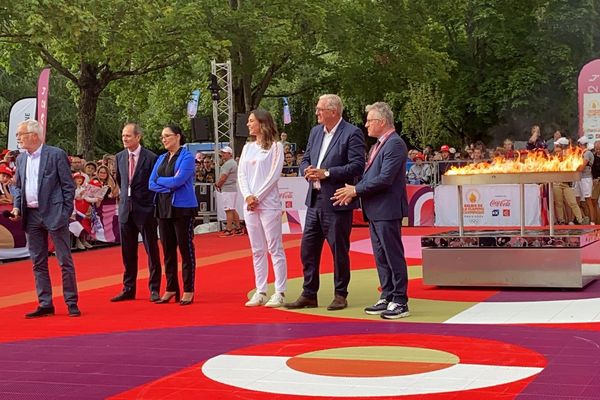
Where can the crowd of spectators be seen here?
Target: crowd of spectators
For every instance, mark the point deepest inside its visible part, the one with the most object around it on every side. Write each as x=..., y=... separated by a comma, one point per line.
x=575, y=203
x=96, y=187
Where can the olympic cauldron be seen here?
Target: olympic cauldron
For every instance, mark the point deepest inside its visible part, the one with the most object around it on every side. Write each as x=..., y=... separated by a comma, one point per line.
x=505, y=257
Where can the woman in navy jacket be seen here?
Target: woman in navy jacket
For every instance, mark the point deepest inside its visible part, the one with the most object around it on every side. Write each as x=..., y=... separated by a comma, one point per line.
x=175, y=202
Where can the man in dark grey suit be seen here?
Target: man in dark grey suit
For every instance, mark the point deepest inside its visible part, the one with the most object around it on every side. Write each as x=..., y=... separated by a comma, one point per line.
x=382, y=190
x=44, y=193
x=335, y=155
x=136, y=213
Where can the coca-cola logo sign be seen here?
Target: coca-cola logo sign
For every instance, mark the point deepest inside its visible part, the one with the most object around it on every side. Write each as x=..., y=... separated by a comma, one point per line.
x=500, y=203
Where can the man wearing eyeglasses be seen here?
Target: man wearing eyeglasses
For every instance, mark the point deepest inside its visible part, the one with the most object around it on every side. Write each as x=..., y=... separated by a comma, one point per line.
x=382, y=190
x=136, y=213
x=334, y=156
x=43, y=199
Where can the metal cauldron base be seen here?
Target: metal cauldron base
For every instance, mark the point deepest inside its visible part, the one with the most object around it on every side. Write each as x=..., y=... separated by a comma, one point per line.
x=570, y=258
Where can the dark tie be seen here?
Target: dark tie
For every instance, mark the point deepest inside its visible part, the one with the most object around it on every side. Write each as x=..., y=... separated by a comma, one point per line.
x=131, y=166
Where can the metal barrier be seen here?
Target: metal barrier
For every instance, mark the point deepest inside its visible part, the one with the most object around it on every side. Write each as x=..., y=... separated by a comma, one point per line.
x=438, y=168
x=205, y=194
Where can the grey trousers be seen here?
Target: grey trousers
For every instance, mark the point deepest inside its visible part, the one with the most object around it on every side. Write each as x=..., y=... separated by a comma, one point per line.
x=37, y=241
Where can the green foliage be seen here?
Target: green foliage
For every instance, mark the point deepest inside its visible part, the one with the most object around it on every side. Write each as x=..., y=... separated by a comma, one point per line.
x=423, y=114
x=93, y=43
x=497, y=65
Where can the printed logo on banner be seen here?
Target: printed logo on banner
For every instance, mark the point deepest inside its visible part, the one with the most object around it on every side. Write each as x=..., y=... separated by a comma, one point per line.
x=506, y=212
x=473, y=207
x=287, y=198
x=495, y=212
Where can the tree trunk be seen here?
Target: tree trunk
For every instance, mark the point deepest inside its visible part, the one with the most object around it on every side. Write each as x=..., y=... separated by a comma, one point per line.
x=86, y=121
x=89, y=91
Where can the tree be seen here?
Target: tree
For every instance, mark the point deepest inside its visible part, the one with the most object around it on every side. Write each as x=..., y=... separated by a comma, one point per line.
x=422, y=114
x=94, y=43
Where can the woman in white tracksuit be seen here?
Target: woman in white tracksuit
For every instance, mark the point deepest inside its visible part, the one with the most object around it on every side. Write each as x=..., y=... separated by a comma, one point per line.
x=259, y=170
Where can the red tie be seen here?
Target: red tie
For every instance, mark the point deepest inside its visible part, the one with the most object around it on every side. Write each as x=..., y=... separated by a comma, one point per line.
x=373, y=154
x=131, y=166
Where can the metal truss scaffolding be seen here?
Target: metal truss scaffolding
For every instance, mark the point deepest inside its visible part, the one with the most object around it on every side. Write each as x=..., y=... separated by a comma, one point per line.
x=222, y=108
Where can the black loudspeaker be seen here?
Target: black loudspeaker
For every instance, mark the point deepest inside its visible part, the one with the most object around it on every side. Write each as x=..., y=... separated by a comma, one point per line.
x=241, y=129
x=200, y=131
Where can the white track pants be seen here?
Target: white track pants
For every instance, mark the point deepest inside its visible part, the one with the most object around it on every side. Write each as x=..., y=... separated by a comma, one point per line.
x=264, y=231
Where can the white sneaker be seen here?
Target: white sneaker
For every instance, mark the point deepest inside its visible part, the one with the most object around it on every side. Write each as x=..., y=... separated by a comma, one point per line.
x=258, y=299
x=276, y=300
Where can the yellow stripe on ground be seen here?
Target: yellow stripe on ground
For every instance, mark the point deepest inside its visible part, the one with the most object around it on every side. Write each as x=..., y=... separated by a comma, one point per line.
x=385, y=353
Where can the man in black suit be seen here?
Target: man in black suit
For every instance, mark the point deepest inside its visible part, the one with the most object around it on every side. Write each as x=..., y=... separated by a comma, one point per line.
x=44, y=192
x=382, y=190
x=136, y=213
x=334, y=156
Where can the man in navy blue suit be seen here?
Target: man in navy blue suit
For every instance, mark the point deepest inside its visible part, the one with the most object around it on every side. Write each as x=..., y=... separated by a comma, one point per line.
x=382, y=190
x=334, y=156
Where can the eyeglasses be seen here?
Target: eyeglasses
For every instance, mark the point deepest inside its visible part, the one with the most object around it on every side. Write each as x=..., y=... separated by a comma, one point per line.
x=164, y=137
x=369, y=120
x=19, y=134
x=319, y=109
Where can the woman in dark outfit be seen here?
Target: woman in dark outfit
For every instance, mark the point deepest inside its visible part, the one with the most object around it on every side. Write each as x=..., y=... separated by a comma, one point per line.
x=172, y=179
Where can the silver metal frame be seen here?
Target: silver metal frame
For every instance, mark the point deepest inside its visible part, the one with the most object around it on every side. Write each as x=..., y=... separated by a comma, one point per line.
x=511, y=267
x=556, y=267
x=511, y=178
x=222, y=110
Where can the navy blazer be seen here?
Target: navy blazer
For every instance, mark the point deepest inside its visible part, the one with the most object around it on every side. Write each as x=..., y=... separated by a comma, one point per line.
x=382, y=188
x=142, y=198
x=344, y=159
x=56, y=189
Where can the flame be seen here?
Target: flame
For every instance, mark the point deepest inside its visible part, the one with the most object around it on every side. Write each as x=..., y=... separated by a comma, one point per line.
x=533, y=161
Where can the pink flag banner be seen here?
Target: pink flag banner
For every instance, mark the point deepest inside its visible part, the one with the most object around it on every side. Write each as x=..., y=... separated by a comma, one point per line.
x=589, y=100
x=42, y=100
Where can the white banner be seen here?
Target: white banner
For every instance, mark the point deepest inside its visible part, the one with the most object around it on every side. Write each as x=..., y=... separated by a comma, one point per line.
x=487, y=205
x=21, y=110
x=591, y=116
x=293, y=194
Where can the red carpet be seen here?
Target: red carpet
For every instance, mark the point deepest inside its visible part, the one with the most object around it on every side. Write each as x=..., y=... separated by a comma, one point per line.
x=139, y=350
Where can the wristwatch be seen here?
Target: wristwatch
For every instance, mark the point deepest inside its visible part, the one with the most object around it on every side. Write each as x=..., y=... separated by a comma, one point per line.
x=326, y=173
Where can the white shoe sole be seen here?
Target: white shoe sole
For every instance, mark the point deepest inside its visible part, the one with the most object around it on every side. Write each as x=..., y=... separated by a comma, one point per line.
x=251, y=304
x=403, y=315
x=274, y=305
x=374, y=312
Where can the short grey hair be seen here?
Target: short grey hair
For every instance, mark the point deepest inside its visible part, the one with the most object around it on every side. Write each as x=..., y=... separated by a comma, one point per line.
x=137, y=130
x=32, y=126
x=333, y=101
x=383, y=110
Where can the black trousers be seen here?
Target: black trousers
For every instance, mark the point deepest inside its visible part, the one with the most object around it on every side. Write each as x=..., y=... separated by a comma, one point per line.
x=129, y=250
x=178, y=233
x=335, y=227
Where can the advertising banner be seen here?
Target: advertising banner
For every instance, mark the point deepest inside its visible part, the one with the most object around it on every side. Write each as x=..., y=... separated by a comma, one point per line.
x=292, y=192
x=42, y=101
x=487, y=205
x=20, y=111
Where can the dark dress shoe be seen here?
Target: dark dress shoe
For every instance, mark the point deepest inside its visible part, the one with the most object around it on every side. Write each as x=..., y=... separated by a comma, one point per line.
x=302, y=302
x=154, y=296
x=338, y=303
x=123, y=296
x=74, y=310
x=187, y=299
x=41, y=312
